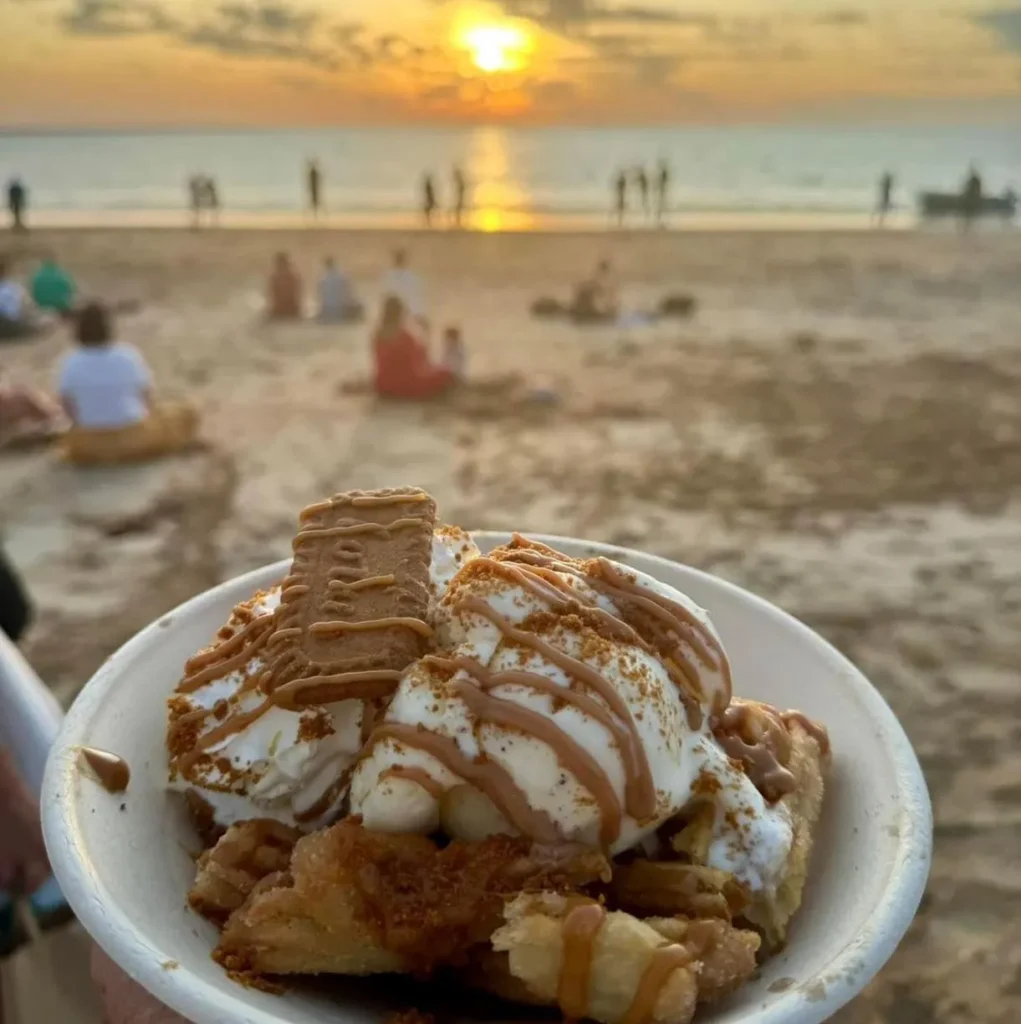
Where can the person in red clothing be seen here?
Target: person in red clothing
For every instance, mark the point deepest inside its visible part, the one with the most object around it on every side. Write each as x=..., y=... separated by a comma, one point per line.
x=403, y=367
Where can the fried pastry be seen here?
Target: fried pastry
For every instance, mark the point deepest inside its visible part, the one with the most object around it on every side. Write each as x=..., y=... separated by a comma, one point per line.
x=612, y=967
x=361, y=902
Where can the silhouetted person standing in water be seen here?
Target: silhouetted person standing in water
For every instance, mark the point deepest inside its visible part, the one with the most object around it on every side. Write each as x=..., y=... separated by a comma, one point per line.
x=642, y=182
x=620, y=197
x=460, y=193
x=213, y=200
x=885, y=201
x=428, y=199
x=17, y=201
x=315, y=187
x=971, y=196
x=662, y=191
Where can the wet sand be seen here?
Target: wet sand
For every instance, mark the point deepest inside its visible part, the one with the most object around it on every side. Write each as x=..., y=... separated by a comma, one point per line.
x=838, y=428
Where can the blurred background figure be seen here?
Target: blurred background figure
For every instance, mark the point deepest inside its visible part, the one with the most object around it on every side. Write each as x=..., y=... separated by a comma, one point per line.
x=460, y=186
x=642, y=184
x=429, y=200
x=620, y=197
x=195, y=201
x=596, y=299
x=662, y=191
x=971, y=196
x=283, y=290
x=455, y=355
x=212, y=197
x=17, y=203
x=338, y=303
x=16, y=319
x=106, y=390
x=27, y=415
x=884, y=201
x=314, y=186
x=401, y=281
x=402, y=365
x=53, y=288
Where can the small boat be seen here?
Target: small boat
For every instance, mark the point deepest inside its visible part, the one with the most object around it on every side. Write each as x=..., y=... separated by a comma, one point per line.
x=954, y=204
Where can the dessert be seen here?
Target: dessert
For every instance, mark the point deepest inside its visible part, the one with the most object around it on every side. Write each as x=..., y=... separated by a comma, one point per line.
x=523, y=767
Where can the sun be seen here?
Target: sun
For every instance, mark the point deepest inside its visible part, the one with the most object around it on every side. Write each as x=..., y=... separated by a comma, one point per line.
x=496, y=47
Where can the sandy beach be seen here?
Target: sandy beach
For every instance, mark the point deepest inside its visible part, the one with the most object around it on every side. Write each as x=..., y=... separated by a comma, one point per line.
x=837, y=428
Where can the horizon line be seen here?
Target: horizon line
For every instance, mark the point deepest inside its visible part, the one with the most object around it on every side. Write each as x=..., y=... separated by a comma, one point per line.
x=814, y=121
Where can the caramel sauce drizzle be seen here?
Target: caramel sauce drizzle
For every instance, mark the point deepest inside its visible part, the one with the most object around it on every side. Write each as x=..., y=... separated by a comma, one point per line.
x=578, y=932
x=413, y=774
x=325, y=802
x=574, y=757
x=640, y=793
x=662, y=964
x=756, y=735
x=487, y=775
x=816, y=730
x=675, y=623
x=339, y=626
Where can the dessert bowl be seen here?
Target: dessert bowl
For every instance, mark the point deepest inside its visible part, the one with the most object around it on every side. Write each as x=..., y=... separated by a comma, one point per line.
x=126, y=860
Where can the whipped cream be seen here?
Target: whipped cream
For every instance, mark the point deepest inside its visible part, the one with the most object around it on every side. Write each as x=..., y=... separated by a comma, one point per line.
x=286, y=765
x=548, y=707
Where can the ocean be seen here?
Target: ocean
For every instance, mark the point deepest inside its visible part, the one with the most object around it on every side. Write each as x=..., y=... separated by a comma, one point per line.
x=520, y=178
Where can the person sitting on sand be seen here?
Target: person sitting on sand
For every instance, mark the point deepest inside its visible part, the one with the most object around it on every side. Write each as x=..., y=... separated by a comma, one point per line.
x=403, y=283
x=15, y=321
x=455, y=356
x=105, y=388
x=337, y=302
x=53, y=288
x=402, y=365
x=596, y=300
x=26, y=415
x=283, y=292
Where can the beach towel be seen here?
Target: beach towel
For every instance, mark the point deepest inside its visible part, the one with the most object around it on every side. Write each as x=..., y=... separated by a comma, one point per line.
x=169, y=428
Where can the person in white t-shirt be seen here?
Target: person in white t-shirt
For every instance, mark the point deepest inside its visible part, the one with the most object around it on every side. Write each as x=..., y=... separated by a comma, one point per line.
x=105, y=388
x=403, y=283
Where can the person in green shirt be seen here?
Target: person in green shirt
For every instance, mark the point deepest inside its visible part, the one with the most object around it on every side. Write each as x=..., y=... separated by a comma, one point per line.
x=52, y=287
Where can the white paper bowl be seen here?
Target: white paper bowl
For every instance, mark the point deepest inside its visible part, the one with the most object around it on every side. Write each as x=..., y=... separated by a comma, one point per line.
x=125, y=862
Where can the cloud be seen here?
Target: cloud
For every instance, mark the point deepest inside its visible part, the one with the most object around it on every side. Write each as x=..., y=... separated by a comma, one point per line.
x=580, y=15
x=263, y=29
x=116, y=18
x=635, y=57
x=247, y=29
x=1005, y=22
x=842, y=17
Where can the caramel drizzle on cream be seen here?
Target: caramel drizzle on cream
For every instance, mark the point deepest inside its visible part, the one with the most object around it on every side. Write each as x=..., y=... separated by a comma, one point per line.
x=640, y=793
x=345, y=578
x=413, y=774
x=676, y=624
x=485, y=774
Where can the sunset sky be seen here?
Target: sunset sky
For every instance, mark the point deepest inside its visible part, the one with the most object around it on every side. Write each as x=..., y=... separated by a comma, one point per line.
x=121, y=63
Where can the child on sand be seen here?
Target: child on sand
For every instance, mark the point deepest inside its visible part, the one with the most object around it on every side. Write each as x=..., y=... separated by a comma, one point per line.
x=105, y=388
x=455, y=356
